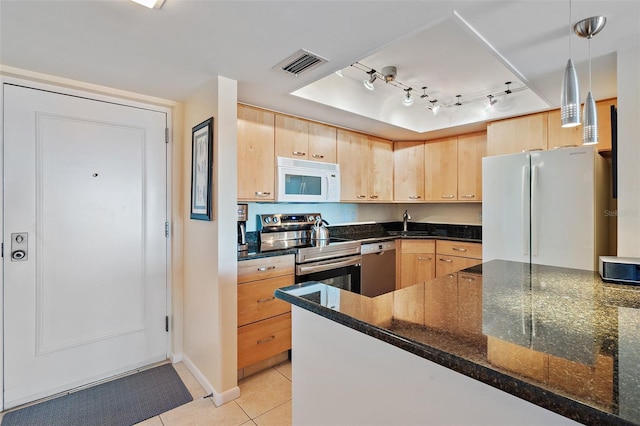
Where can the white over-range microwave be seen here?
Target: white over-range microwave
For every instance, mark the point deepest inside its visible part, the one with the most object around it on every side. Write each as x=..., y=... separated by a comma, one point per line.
x=305, y=181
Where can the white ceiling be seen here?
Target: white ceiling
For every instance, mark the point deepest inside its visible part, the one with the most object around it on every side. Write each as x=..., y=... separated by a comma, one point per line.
x=452, y=47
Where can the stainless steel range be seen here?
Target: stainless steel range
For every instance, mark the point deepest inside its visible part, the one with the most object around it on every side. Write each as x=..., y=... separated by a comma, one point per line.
x=335, y=261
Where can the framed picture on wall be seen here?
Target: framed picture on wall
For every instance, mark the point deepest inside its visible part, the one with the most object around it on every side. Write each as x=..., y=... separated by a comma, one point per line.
x=201, y=170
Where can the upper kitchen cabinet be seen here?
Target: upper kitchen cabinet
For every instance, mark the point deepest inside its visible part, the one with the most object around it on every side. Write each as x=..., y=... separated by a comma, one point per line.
x=408, y=174
x=471, y=149
x=441, y=169
x=305, y=140
x=366, y=167
x=572, y=136
x=256, y=152
x=526, y=133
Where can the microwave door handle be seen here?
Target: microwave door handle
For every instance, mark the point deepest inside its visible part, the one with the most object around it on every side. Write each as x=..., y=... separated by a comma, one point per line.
x=303, y=184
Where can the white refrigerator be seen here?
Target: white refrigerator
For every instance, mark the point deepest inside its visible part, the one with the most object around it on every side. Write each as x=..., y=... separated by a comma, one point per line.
x=546, y=207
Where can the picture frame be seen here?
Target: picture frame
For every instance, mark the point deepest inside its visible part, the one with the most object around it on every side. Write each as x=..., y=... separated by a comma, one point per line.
x=201, y=170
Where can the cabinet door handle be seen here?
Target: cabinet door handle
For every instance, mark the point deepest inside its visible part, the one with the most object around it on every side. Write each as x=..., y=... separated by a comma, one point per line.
x=373, y=196
x=266, y=268
x=361, y=196
x=447, y=196
x=450, y=276
x=470, y=279
x=459, y=249
x=268, y=299
x=266, y=340
x=468, y=196
x=424, y=258
x=318, y=156
x=414, y=197
x=262, y=194
x=299, y=153
x=446, y=260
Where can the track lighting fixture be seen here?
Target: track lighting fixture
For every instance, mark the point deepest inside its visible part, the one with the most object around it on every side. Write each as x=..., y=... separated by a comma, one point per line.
x=587, y=28
x=368, y=83
x=389, y=74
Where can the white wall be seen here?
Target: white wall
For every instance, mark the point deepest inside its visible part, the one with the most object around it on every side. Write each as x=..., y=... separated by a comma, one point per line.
x=629, y=152
x=210, y=268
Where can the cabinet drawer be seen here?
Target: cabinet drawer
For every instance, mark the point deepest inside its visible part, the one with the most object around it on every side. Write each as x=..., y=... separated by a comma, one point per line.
x=446, y=264
x=267, y=267
x=462, y=249
x=263, y=339
x=257, y=302
x=417, y=246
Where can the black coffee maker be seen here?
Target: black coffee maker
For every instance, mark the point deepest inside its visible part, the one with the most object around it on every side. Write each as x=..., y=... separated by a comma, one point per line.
x=242, y=227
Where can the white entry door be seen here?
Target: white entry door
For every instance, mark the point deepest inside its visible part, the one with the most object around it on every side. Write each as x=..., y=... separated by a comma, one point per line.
x=85, y=203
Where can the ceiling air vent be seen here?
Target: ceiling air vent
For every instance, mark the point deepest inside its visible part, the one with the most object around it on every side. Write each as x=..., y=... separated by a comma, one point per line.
x=300, y=62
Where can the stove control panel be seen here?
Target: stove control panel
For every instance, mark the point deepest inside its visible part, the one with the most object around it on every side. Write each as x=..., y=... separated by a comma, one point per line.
x=287, y=221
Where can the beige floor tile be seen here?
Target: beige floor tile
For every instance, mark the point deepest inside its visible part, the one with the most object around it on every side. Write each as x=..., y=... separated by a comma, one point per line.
x=279, y=416
x=263, y=391
x=153, y=421
x=249, y=423
x=284, y=369
x=193, y=386
x=204, y=412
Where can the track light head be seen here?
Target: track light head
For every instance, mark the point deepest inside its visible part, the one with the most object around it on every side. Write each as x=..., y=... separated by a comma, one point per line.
x=368, y=83
x=407, y=100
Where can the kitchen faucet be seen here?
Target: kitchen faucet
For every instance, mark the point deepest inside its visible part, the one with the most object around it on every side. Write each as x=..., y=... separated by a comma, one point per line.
x=405, y=217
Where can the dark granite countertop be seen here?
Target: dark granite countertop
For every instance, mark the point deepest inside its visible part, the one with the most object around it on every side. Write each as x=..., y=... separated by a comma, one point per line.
x=370, y=233
x=559, y=338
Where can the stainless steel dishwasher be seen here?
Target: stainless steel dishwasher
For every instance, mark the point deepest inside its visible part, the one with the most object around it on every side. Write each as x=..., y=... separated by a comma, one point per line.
x=378, y=268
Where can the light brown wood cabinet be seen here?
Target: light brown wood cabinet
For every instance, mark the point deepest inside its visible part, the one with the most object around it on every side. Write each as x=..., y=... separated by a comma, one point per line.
x=512, y=135
x=416, y=262
x=264, y=322
x=471, y=149
x=366, y=167
x=408, y=171
x=453, y=256
x=572, y=136
x=305, y=140
x=441, y=169
x=542, y=131
x=256, y=154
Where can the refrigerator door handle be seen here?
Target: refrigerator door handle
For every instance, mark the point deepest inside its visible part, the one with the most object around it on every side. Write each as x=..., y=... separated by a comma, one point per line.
x=534, y=211
x=524, y=220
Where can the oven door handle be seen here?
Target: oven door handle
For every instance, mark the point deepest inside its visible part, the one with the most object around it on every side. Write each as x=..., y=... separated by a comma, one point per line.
x=327, y=265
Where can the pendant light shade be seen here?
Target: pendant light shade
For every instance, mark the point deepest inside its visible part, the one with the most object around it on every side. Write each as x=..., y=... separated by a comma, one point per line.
x=590, y=130
x=570, y=97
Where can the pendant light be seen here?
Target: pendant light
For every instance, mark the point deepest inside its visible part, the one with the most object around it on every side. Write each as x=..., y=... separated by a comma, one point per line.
x=587, y=28
x=570, y=96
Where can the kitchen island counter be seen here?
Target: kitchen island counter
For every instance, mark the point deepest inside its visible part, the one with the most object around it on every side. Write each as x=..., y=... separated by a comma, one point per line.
x=557, y=338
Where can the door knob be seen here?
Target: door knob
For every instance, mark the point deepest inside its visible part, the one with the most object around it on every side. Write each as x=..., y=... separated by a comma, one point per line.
x=19, y=246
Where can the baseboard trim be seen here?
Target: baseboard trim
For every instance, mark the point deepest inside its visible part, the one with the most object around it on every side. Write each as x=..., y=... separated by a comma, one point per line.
x=217, y=397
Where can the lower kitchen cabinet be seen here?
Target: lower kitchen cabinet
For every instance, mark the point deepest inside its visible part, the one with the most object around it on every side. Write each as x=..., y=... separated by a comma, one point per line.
x=264, y=339
x=264, y=322
x=452, y=256
x=416, y=260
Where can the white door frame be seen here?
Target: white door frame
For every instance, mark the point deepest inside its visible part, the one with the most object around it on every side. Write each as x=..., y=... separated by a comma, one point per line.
x=169, y=175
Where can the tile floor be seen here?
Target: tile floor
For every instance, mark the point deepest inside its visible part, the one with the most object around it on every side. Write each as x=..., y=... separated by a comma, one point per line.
x=265, y=399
